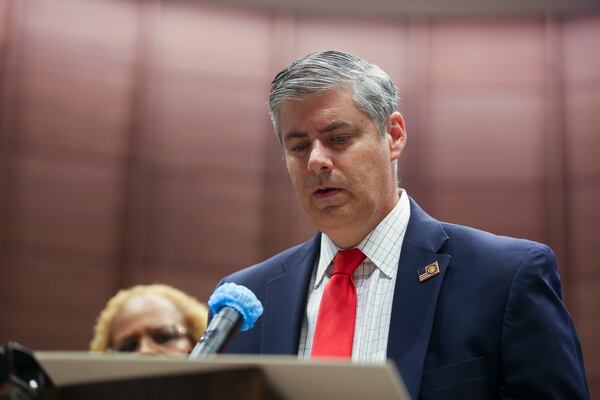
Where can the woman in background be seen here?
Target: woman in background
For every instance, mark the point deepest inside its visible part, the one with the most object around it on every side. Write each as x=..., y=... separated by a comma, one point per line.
x=150, y=319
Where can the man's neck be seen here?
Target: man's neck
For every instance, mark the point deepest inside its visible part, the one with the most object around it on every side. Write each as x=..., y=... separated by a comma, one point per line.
x=350, y=236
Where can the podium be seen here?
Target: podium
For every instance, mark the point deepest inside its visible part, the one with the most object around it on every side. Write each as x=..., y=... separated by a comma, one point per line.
x=79, y=375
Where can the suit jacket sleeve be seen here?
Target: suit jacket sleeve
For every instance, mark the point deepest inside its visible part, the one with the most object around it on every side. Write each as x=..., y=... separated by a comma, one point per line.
x=540, y=353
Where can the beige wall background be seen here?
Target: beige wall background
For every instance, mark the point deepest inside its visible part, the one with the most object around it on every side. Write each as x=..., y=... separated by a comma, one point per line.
x=135, y=145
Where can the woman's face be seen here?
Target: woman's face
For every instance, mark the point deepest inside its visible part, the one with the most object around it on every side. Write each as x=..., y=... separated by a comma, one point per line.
x=151, y=324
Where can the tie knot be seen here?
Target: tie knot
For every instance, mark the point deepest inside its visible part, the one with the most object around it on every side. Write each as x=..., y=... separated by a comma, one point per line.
x=346, y=261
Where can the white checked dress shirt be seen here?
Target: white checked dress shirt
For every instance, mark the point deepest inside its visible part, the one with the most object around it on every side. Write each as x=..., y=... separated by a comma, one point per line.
x=375, y=279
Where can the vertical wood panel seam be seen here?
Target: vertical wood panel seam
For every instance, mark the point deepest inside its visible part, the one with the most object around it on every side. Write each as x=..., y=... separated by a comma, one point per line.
x=8, y=72
x=277, y=203
x=4, y=48
x=556, y=162
x=134, y=187
x=419, y=44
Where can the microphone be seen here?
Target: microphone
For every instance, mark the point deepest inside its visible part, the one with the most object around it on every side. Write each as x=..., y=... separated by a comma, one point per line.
x=234, y=307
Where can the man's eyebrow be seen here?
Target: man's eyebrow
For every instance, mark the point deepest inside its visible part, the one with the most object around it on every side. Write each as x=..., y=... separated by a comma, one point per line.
x=294, y=135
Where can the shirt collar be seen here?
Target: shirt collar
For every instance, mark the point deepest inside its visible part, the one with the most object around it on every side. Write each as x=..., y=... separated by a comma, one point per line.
x=382, y=245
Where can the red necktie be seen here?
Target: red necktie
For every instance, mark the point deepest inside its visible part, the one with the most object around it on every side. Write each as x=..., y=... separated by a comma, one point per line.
x=334, y=332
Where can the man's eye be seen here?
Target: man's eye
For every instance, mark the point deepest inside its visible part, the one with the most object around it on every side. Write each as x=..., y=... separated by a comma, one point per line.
x=342, y=139
x=299, y=147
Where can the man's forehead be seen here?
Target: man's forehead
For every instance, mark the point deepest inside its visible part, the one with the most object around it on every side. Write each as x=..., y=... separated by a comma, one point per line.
x=325, y=105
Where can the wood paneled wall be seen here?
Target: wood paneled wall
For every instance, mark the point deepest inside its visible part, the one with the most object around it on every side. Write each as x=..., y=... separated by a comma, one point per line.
x=135, y=145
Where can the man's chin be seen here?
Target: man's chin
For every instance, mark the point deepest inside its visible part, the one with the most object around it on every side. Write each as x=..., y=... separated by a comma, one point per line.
x=331, y=217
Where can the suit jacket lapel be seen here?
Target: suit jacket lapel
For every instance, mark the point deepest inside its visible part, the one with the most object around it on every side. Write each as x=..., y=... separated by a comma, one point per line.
x=285, y=301
x=414, y=305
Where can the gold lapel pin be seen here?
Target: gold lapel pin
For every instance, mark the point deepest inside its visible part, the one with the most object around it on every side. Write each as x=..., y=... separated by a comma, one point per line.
x=428, y=271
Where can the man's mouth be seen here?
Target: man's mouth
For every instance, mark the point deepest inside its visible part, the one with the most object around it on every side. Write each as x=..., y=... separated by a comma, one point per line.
x=323, y=193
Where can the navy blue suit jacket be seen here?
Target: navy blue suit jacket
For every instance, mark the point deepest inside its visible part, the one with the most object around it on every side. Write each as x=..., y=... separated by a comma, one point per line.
x=491, y=325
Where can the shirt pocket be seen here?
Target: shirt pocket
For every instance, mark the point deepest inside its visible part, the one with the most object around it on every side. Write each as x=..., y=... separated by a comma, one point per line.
x=465, y=379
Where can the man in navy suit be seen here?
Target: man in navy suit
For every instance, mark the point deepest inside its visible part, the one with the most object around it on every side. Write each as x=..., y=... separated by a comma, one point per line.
x=464, y=314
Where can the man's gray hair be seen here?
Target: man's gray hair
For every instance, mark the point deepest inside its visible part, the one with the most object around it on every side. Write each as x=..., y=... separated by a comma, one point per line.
x=373, y=90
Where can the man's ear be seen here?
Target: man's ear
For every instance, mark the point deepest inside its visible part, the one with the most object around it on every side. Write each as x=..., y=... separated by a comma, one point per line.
x=396, y=135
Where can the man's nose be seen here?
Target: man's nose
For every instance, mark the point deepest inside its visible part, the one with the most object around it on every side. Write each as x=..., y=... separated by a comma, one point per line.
x=319, y=160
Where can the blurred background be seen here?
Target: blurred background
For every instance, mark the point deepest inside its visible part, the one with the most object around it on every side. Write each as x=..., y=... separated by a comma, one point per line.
x=135, y=144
